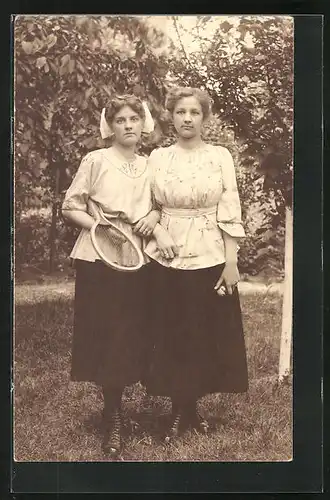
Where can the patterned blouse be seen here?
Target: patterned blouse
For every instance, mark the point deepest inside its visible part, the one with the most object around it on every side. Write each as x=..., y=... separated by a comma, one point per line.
x=121, y=189
x=197, y=192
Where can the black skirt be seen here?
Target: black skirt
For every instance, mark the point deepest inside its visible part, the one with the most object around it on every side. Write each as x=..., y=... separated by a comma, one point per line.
x=108, y=345
x=197, y=343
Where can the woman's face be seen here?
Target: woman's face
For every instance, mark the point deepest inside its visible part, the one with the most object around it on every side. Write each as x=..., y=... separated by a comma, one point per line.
x=127, y=126
x=188, y=117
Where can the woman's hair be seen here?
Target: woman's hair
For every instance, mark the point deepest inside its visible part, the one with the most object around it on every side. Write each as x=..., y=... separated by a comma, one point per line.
x=178, y=93
x=117, y=102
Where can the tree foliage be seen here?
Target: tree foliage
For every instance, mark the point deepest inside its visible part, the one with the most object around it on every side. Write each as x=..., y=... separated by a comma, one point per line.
x=65, y=70
x=66, y=67
x=247, y=67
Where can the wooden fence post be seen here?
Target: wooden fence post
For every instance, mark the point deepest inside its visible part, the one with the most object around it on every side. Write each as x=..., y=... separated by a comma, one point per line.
x=287, y=309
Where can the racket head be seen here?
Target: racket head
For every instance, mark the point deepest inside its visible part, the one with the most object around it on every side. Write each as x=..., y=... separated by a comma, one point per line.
x=115, y=247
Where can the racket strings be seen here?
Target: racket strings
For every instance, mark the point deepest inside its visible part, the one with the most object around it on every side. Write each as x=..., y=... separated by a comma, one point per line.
x=108, y=237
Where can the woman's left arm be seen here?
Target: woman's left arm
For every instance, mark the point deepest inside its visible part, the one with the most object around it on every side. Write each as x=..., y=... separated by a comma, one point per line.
x=230, y=223
x=147, y=224
x=230, y=274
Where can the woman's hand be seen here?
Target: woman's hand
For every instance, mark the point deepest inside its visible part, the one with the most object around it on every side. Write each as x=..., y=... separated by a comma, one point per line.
x=228, y=279
x=146, y=225
x=165, y=243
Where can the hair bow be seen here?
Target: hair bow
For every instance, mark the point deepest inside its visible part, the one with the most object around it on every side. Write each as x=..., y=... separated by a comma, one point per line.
x=149, y=124
x=105, y=129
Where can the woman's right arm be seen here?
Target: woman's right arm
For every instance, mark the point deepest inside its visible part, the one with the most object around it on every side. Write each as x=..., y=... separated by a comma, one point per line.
x=165, y=243
x=74, y=207
x=78, y=218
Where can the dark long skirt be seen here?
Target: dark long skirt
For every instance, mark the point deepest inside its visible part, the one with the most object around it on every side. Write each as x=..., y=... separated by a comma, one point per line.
x=108, y=345
x=197, y=343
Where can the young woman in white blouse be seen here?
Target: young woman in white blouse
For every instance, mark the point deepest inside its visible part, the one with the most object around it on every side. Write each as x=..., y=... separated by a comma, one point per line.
x=108, y=340
x=198, y=343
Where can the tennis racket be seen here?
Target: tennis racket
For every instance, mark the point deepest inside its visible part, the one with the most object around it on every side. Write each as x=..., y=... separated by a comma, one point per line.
x=111, y=242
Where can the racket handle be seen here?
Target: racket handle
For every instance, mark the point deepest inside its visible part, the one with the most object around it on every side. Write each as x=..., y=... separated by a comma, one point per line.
x=93, y=211
x=97, y=213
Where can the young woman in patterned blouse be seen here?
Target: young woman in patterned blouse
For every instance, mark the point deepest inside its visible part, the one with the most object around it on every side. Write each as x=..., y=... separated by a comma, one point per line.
x=197, y=344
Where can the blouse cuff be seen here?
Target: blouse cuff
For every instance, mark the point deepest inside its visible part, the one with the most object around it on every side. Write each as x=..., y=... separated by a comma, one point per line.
x=234, y=229
x=72, y=205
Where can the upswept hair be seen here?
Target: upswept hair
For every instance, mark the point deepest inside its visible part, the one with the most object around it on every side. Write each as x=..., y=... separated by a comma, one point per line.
x=178, y=93
x=117, y=102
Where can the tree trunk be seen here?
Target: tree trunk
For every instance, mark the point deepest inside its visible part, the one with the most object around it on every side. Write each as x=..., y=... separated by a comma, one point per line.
x=287, y=311
x=53, y=225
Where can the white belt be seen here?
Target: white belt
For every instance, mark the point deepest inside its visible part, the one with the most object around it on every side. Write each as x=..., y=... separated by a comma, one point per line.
x=189, y=212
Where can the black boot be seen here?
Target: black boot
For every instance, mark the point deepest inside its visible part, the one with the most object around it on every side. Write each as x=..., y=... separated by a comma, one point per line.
x=185, y=416
x=112, y=420
x=112, y=434
x=176, y=426
x=193, y=418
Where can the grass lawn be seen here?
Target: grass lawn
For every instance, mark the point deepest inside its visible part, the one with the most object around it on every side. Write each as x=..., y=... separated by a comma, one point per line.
x=58, y=420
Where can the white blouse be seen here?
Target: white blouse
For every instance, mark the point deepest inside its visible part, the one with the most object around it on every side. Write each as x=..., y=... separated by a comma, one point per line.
x=197, y=192
x=119, y=188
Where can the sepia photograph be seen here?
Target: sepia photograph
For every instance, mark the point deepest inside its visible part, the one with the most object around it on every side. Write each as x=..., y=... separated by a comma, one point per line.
x=153, y=238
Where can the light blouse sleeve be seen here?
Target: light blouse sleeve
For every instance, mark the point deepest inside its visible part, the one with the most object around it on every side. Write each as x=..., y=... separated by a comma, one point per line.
x=229, y=214
x=78, y=192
